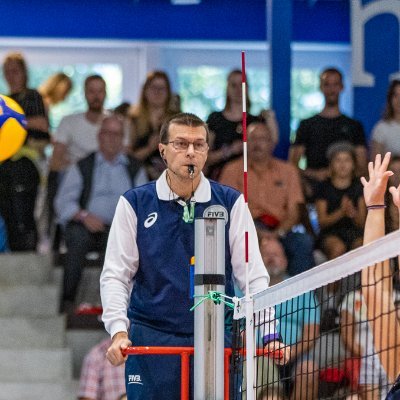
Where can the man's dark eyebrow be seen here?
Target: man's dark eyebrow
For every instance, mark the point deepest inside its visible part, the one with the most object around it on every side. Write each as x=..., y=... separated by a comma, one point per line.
x=196, y=140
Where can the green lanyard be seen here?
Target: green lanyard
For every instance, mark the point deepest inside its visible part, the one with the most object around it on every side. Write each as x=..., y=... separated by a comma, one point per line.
x=188, y=216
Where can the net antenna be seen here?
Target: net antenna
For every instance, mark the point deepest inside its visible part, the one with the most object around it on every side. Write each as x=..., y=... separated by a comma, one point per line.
x=248, y=299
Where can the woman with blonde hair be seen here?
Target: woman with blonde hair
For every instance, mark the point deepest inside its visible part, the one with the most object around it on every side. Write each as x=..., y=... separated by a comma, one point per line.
x=55, y=89
x=147, y=116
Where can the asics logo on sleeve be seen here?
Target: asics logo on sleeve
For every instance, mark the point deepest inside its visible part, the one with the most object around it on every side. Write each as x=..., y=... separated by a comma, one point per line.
x=150, y=220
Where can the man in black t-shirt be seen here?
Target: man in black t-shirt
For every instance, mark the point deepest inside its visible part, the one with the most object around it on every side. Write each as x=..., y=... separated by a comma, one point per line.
x=317, y=133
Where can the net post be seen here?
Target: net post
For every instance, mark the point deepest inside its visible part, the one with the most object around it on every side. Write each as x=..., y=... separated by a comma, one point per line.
x=250, y=354
x=209, y=318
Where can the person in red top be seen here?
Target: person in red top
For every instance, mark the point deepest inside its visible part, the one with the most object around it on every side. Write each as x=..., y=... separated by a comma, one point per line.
x=275, y=195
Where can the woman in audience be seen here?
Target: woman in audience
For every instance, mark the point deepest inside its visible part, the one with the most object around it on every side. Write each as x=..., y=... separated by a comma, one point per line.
x=146, y=119
x=386, y=133
x=226, y=126
x=377, y=286
x=23, y=177
x=55, y=89
x=340, y=204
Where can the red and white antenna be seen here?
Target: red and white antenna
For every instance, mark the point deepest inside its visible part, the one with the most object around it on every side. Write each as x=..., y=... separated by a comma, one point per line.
x=248, y=299
x=244, y=130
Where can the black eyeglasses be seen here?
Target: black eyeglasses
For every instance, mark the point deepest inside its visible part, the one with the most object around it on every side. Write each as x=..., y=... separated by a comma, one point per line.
x=200, y=146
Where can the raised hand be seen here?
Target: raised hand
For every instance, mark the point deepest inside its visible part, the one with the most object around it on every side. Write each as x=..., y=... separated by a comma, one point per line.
x=375, y=187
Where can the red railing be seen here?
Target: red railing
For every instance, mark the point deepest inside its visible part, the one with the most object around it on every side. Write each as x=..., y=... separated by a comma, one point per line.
x=185, y=353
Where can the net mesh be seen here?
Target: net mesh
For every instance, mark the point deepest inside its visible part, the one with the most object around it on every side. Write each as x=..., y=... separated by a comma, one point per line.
x=330, y=318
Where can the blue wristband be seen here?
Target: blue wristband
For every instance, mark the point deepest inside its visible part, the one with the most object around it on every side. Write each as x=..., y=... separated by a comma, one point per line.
x=272, y=337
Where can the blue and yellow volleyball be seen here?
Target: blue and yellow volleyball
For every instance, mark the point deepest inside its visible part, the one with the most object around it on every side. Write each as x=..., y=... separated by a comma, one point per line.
x=12, y=127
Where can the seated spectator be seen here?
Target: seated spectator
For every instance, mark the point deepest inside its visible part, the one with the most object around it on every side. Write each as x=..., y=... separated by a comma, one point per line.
x=299, y=327
x=86, y=201
x=274, y=195
x=358, y=339
x=3, y=236
x=340, y=204
x=99, y=379
x=226, y=127
x=386, y=133
x=147, y=116
x=74, y=139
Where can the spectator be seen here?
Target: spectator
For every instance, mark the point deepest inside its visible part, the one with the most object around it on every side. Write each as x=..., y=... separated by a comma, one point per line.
x=55, y=89
x=340, y=204
x=99, y=379
x=226, y=126
x=315, y=134
x=122, y=109
x=16, y=75
x=86, y=201
x=386, y=133
x=299, y=327
x=76, y=136
x=146, y=119
x=358, y=340
x=275, y=195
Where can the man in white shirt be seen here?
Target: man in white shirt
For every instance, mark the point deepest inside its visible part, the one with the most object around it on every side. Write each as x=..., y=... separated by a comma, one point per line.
x=76, y=136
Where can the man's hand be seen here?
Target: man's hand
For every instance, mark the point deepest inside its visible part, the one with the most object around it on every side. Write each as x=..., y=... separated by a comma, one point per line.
x=93, y=223
x=120, y=342
x=279, y=352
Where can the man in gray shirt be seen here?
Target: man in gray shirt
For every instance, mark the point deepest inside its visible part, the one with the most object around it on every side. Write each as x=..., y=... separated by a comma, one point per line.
x=87, y=197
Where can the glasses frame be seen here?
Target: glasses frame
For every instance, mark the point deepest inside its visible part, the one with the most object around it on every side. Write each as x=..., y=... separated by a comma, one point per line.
x=188, y=144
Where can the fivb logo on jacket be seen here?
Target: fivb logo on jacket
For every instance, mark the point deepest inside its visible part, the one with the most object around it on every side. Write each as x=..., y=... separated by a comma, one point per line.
x=150, y=220
x=134, y=379
x=216, y=211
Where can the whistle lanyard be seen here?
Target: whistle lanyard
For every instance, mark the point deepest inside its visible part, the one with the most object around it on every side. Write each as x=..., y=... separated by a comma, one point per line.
x=188, y=214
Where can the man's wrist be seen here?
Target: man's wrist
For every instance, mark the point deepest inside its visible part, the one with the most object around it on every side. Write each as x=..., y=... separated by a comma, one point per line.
x=82, y=215
x=121, y=334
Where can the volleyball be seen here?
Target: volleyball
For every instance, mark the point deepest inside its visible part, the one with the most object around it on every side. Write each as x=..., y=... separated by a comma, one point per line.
x=12, y=127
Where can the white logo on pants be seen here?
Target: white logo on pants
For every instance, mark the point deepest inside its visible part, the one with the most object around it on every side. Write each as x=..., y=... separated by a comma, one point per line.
x=134, y=379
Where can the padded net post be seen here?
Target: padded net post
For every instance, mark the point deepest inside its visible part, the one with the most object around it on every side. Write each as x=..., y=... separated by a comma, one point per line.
x=209, y=317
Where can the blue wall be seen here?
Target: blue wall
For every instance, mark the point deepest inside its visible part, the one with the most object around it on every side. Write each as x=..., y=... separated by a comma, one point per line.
x=320, y=20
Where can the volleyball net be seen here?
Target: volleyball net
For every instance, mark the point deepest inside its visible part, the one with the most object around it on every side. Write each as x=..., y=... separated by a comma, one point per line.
x=324, y=320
